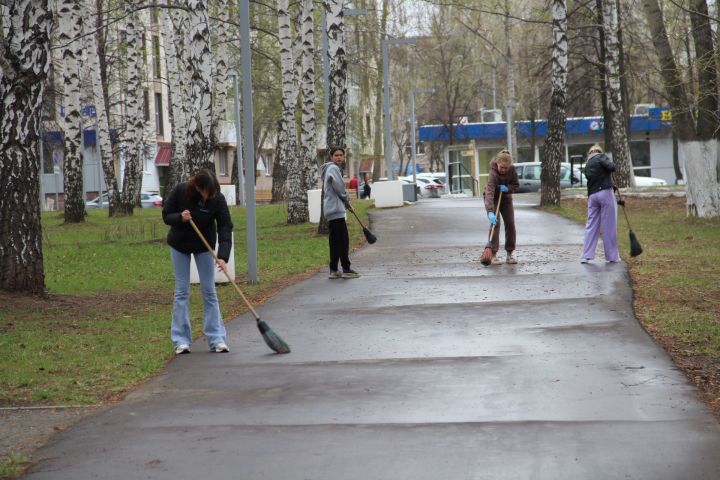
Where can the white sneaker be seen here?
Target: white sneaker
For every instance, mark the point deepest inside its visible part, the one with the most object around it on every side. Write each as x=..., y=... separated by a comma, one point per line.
x=584, y=260
x=510, y=259
x=220, y=348
x=182, y=348
x=496, y=261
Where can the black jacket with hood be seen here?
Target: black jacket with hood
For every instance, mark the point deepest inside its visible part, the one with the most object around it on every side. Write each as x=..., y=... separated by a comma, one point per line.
x=598, y=170
x=205, y=214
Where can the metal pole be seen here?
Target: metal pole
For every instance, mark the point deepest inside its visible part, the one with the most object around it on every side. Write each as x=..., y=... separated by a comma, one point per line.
x=238, y=143
x=249, y=147
x=508, y=125
x=494, y=93
x=325, y=67
x=42, y=170
x=412, y=134
x=386, y=111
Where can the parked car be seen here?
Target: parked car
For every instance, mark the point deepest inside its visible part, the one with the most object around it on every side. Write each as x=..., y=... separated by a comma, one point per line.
x=529, y=176
x=649, y=182
x=147, y=199
x=426, y=187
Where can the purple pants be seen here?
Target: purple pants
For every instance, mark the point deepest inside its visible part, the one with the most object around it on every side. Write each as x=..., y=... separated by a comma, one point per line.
x=602, y=214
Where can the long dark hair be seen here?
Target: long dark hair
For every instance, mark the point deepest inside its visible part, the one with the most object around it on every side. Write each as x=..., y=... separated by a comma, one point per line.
x=335, y=149
x=203, y=180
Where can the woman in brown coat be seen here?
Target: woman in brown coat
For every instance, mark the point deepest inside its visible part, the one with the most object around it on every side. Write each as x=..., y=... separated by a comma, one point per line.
x=502, y=178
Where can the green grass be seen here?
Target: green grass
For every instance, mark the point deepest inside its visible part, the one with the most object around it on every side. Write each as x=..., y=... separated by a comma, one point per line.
x=106, y=324
x=676, y=281
x=12, y=466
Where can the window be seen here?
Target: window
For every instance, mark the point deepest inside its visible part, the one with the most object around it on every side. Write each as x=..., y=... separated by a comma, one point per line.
x=159, y=126
x=146, y=105
x=223, y=162
x=640, y=155
x=156, y=55
x=531, y=172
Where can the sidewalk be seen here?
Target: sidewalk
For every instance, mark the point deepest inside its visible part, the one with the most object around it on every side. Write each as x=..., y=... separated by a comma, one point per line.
x=430, y=366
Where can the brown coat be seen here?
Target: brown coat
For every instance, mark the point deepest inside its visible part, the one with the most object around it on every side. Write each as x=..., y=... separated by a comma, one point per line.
x=492, y=192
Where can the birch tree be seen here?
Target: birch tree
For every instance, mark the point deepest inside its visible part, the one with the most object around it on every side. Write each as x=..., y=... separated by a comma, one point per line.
x=176, y=60
x=306, y=165
x=620, y=145
x=337, y=110
x=377, y=141
x=707, y=121
x=134, y=144
x=220, y=80
x=69, y=37
x=24, y=65
x=555, y=140
x=201, y=143
x=287, y=131
x=103, y=126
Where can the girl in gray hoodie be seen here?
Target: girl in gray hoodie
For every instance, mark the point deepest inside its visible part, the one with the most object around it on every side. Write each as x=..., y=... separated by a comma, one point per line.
x=335, y=201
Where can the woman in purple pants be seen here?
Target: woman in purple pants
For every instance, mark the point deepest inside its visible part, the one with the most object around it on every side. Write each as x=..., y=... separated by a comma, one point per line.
x=602, y=207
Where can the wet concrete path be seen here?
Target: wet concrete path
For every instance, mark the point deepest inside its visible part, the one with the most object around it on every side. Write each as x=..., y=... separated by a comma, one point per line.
x=430, y=366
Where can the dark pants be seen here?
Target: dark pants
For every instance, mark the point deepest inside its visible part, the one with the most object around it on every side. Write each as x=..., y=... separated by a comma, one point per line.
x=339, y=244
x=507, y=212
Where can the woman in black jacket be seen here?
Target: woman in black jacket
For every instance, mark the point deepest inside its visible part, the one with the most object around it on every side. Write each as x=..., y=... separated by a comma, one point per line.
x=198, y=199
x=602, y=210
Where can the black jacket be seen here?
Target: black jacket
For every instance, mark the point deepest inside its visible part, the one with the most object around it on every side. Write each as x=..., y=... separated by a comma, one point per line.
x=206, y=215
x=597, y=170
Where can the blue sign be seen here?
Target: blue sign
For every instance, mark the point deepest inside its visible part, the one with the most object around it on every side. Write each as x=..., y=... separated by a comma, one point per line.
x=88, y=110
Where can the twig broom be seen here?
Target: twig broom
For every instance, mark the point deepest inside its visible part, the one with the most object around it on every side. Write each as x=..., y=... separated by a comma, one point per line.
x=271, y=338
x=487, y=254
x=369, y=236
x=635, y=247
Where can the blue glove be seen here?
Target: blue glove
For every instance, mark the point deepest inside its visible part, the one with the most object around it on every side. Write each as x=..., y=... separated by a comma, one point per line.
x=492, y=218
x=503, y=188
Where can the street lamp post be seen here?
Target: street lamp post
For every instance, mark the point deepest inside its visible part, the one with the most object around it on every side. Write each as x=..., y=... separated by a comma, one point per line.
x=386, y=99
x=248, y=145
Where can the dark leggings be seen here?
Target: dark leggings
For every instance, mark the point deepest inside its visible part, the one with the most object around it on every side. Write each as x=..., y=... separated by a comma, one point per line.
x=507, y=212
x=339, y=244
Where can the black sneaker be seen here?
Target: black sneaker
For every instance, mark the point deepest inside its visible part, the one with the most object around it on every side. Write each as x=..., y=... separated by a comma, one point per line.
x=350, y=274
x=334, y=274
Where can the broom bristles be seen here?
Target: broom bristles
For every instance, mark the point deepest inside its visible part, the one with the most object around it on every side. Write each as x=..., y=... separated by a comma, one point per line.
x=369, y=236
x=486, y=256
x=272, y=339
x=635, y=247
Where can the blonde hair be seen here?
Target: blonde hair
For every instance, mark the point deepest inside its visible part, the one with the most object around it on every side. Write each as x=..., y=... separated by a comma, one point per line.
x=595, y=149
x=503, y=157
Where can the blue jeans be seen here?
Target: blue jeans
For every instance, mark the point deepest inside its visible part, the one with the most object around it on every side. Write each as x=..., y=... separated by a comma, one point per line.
x=181, y=331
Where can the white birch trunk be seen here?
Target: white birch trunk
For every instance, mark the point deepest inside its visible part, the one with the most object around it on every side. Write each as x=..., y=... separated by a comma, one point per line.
x=286, y=158
x=134, y=147
x=307, y=165
x=702, y=167
x=69, y=36
x=220, y=81
x=24, y=60
x=337, y=111
x=555, y=140
x=102, y=133
x=175, y=57
x=201, y=144
x=620, y=146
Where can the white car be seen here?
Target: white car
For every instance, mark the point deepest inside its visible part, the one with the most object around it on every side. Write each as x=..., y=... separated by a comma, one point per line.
x=147, y=199
x=649, y=182
x=426, y=187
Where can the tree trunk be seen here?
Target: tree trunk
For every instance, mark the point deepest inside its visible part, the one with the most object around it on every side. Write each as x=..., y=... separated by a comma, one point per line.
x=620, y=145
x=683, y=122
x=219, y=108
x=602, y=77
x=286, y=157
x=176, y=61
x=307, y=166
x=102, y=134
x=555, y=140
x=69, y=35
x=703, y=182
x=337, y=111
x=24, y=65
x=511, y=94
x=134, y=145
x=708, y=125
x=201, y=143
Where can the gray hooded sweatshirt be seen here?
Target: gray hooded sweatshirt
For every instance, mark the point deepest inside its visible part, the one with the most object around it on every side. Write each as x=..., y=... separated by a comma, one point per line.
x=335, y=197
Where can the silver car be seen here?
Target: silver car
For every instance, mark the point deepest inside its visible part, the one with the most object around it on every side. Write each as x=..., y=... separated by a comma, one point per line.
x=147, y=199
x=529, y=176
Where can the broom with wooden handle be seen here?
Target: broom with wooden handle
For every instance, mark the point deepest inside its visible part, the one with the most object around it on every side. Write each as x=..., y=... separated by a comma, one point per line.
x=487, y=254
x=635, y=247
x=271, y=338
